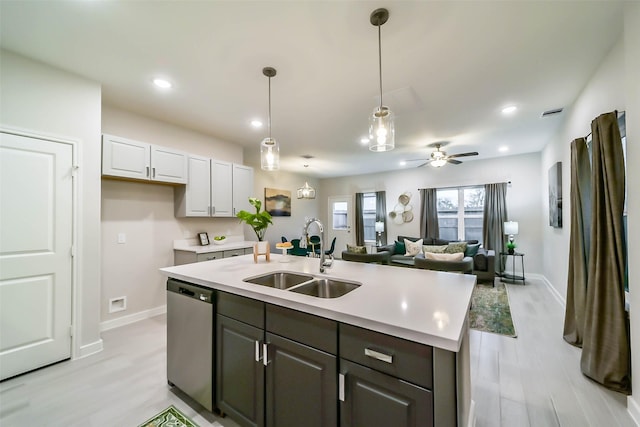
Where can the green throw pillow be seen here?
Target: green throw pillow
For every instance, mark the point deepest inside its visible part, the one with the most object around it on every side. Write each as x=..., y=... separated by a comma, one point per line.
x=434, y=249
x=472, y=249
x=357, y=249
x=456, y=247
x=400, y=248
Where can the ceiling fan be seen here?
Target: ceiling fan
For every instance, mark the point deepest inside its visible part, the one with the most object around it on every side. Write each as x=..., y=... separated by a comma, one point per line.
x=439, y=158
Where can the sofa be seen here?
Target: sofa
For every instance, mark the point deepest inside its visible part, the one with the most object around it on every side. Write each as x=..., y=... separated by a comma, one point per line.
x=476, y=260
x=377, y=258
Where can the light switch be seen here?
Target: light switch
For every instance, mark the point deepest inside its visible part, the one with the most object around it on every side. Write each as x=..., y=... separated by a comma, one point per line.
x=122, y=238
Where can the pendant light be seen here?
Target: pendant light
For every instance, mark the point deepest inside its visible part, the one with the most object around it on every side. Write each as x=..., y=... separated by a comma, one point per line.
x=269, y=149
x=381, y=127
x=306, y=191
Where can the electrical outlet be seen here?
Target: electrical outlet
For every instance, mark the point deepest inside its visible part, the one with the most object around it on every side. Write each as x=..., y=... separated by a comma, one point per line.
x=122, y=238
x=117, y=304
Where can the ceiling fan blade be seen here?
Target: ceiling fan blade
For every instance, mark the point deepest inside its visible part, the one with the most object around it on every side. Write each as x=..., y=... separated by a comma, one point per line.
x=425, y=163
x=454, y=162
x=471, y=153
x=418, y=160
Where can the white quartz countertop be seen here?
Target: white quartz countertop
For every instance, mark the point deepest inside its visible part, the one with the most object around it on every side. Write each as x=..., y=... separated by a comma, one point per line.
x=185, y=245
x=428, y=307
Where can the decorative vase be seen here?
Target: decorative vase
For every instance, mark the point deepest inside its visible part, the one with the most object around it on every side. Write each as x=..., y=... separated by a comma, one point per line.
x=261, y=248
x=511, y=251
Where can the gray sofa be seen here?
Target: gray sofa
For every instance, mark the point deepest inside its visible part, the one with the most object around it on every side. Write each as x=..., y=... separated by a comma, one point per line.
x=377, y=258
x=482, y=263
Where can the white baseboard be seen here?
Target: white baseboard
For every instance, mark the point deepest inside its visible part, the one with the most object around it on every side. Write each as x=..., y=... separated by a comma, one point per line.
x=561, y=300
x=472, y=414
x=89, y=349
x=633, y=409
x=132, y=318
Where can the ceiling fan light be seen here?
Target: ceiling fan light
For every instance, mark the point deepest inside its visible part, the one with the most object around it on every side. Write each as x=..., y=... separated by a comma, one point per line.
x=381, y=130
x=438, y=163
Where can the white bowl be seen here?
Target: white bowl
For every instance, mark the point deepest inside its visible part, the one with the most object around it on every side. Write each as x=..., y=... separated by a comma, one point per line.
x=219, y=242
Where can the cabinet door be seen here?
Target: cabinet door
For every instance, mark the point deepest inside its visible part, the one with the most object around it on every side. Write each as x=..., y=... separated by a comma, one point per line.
x=242, y=188
x=370, y=398
x=221, y=188
x=301, y=385
x=240, y=371
x=194, y=197
x=125, y=157
x=168, y=165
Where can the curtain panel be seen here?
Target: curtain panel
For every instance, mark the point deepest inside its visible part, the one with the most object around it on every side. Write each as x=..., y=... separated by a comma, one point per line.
x=495, y=215
x=579, y=239
x=381, y=214
x=359, y=223
x=429, y=213
x=606, y=352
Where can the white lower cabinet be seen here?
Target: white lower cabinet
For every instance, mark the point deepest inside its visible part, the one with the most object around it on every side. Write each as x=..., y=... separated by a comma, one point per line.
x=215, y=189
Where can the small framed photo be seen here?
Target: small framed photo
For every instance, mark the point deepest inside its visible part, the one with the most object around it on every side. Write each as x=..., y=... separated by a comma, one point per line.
x=204, y=239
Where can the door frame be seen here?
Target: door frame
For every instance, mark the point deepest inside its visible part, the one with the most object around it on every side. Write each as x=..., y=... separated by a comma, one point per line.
x=76, y=174
x=350, y=217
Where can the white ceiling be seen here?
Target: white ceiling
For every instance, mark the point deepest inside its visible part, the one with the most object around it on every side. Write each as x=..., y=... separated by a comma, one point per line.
x=448, y=69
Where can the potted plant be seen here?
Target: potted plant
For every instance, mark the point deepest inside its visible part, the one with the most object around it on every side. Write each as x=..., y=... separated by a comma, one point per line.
x=258, y=221
x=511, y=247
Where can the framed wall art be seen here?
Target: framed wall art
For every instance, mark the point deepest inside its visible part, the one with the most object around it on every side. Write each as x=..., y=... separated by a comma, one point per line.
x=277, y=202
x=555, y=195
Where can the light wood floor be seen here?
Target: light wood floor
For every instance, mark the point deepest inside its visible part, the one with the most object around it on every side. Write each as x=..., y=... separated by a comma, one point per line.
x=533, y=380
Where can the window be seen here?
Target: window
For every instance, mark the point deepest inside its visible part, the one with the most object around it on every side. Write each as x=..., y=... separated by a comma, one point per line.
x=369, y=217
x=340, y=215
x=458, y=223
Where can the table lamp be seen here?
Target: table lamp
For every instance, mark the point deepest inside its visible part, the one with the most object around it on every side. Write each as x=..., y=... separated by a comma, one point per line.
x=379, y=230
x=511, y=228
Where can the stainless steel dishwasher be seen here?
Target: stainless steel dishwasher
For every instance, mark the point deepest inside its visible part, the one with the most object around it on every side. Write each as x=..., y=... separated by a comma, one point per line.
x=190, y=314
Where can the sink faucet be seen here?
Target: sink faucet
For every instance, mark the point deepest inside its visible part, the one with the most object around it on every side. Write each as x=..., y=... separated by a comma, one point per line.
x=323, y=262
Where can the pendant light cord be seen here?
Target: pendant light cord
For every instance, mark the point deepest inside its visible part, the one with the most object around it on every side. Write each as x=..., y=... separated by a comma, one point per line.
x=380, y=62
x=270, y=107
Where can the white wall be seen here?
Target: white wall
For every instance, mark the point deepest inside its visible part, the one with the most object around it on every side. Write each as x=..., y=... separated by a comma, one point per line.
x=632, y=93
x=605, y=92
x=45, y=100
x=301, y=209
x=144, y=212
x=523, y=196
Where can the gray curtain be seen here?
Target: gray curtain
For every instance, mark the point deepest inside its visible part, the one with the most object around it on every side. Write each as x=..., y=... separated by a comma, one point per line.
x=605, y=345
x=429, y=213
x=495, y=214
x=578, y=242
x=381, y=214
x=359, y=222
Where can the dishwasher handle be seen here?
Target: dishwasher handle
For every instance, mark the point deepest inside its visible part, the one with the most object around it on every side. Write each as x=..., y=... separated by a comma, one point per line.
x=186, y=291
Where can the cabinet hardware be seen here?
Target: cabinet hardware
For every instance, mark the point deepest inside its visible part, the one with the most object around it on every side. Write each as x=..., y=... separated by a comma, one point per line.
x=341, y=387
x=147, y=171
x=213, y=210
x=154, y=172
x=378, y=356
x=257, y=351
x=264, y=354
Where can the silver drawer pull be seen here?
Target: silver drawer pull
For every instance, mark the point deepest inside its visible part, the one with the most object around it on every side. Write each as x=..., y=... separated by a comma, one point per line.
x=257, y=351
x=379, y=356
x=341, y=387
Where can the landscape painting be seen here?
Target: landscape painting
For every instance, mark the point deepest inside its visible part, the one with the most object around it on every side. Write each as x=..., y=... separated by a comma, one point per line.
x=277, y=202
x=555, y=195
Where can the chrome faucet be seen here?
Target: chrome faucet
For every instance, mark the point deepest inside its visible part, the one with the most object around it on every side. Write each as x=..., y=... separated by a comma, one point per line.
x=323, y=262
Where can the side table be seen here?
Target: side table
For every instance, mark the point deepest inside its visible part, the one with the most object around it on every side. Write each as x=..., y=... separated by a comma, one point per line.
x=512, y=277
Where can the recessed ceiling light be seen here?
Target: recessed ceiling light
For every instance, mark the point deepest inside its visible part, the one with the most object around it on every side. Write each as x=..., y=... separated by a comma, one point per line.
x=503, y=149
x=403, y=163
x=509, y=110
x=164, y=84
x=364, y=140
x=256, y=123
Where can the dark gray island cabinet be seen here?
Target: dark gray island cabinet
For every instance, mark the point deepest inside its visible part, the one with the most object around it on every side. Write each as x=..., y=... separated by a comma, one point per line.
x=276, y=366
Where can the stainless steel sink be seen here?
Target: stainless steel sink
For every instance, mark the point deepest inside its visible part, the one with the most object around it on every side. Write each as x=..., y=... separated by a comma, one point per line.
x=279, y=279
x=326, y=288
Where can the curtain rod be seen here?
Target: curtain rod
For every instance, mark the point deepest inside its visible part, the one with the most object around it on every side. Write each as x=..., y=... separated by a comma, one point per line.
x=472, y=185
x=618, y=113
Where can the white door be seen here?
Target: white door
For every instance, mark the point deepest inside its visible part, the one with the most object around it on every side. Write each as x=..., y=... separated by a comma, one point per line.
x=340, y=223
x=221, y=188
x=36, y=218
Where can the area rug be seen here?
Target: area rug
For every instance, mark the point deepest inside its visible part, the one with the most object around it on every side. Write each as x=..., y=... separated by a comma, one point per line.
x=490, y=311
x=170, y=417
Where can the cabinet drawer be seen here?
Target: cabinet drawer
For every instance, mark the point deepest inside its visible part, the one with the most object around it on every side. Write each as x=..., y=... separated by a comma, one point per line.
x=234, y=252
x=308, y=329
x=244, y=309
x=248, y=251
x=209, y=256
x=404, y=359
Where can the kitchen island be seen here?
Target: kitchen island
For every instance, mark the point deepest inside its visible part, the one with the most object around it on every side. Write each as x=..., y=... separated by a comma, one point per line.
x=401, y=326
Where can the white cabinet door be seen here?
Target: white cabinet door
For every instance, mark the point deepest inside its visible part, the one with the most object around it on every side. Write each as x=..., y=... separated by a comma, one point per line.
x=242, y=188
x=36, y=230
x=168, y=165
x=221, y=188
x=125, y=157
x=194, y=197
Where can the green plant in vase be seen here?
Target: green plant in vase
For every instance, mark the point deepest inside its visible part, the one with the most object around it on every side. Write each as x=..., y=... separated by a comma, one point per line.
x=258, y=221
x=511, y=246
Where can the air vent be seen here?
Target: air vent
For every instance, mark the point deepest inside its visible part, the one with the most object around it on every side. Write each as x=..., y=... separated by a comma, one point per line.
x=552, y=112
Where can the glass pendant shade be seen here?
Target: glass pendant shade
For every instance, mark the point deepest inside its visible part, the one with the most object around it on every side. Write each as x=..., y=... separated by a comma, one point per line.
x=382, y=134
x=269, y=154
x=306, y=192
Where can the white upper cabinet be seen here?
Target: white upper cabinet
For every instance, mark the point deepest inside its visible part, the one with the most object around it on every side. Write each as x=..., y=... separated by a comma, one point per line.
x=127, y=158
x=215, y=189
x=242, y=188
